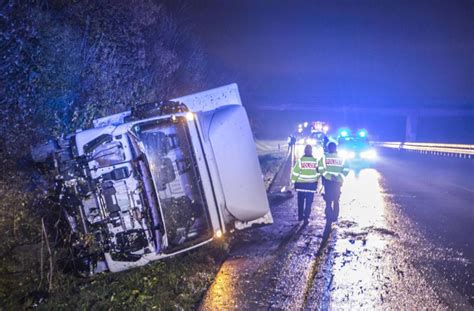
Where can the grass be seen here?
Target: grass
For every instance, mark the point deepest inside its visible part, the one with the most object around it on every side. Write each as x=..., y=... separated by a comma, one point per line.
x=175, y=283
x=178, y=282
x=270, y=164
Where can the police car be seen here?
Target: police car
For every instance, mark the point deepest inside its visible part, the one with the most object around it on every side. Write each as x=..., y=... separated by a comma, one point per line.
x=356, y=149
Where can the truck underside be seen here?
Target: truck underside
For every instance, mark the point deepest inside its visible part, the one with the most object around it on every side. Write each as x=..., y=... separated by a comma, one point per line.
x=132, y=194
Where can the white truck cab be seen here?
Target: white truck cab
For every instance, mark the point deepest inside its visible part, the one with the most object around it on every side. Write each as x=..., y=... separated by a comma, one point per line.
x=160, y=180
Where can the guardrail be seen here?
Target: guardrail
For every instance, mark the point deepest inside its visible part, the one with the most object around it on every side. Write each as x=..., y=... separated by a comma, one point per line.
x=455, y=150
x=271, y=146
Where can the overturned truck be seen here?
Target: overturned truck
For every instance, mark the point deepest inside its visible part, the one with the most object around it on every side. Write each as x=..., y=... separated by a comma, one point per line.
x=158, y=180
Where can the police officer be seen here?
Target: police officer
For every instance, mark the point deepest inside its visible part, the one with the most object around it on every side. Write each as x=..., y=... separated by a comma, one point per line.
x=333, y=169
x=291, y=142
x=325, y=143
x=305, y=177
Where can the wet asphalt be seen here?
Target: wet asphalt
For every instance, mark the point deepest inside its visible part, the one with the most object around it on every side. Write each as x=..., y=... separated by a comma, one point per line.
x=404, y=241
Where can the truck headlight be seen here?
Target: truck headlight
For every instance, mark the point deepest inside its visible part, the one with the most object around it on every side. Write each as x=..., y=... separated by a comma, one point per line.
x=369, y=154
x=190, y=116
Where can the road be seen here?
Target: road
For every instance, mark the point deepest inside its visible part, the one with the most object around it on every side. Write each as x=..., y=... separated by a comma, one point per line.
x=403, y=241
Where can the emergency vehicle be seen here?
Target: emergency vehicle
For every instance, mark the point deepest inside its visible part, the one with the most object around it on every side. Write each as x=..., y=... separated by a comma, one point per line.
x=356, y=149
x=314, y=135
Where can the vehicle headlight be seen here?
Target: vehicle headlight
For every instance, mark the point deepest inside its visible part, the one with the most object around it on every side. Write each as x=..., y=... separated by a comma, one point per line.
x=319, y=152
x=369, y=154
x=190, y=116
x=347, y=155
x=301, y=141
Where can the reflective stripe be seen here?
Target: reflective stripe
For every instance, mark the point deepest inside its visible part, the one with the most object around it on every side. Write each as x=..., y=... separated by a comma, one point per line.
x=308, y=165
x=305, y=190
x=309, y=175
x=332, y=174
x=305, y=170
x=334, y=162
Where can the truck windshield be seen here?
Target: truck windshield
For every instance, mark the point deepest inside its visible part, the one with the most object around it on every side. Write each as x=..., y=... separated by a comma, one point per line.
x=168, y=149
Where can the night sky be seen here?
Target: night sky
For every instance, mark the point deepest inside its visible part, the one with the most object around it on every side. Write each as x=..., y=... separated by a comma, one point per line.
x=343, y=53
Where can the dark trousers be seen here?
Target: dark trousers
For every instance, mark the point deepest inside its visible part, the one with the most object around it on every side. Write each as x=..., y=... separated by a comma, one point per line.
x=332, y=210
x=305, y=200
x=332, y=192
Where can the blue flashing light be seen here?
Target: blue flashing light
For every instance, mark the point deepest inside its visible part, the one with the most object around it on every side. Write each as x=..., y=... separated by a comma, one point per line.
x=344, y=133
x=362, y=133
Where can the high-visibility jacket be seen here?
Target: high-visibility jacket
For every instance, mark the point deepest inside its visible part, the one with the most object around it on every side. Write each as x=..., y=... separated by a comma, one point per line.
x=305, y=170
x=333, y=167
